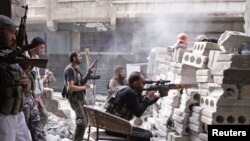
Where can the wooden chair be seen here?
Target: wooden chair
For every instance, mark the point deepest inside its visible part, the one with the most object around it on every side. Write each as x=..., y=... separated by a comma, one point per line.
x=106, y=121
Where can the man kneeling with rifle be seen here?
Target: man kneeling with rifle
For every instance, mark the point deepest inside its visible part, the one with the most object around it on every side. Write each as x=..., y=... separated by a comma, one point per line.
x=128, y=101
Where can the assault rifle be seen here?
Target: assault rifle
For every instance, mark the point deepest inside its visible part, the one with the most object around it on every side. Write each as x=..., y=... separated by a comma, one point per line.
x=22, y=35
x=24, y=60
x=17, y=55
x=88, y=75
x=164, y=88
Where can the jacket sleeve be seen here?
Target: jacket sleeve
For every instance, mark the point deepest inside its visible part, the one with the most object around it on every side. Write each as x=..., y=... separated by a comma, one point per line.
x=135, y=105
x=153, y=101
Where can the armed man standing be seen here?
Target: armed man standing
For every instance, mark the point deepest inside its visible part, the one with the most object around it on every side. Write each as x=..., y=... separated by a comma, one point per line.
x=12, y=79
x=129, y=102
x=76, y=91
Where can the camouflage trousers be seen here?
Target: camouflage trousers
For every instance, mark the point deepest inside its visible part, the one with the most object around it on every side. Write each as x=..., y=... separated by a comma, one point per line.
x=33, y=120
x=81, y=121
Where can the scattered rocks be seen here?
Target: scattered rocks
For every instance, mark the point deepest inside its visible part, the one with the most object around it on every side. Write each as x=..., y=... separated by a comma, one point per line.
x=57, y=129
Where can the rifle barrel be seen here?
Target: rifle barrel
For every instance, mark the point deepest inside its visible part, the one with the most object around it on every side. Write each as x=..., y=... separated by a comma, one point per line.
x=169, y=86
x=158, y=82
x=95, y=61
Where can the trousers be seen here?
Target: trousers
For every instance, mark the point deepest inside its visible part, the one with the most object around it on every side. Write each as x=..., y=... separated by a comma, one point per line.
x=81, y=121
x=44, y=114
x=33, y=120
x=14, y=128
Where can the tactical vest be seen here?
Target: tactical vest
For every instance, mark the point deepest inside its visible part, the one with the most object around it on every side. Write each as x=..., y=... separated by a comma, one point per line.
x=11, y=93
x=73, y=96
x=114, y=108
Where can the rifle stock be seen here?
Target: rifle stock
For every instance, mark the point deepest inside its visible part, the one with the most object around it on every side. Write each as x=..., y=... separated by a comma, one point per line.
x=41, y=63
x=19, y=50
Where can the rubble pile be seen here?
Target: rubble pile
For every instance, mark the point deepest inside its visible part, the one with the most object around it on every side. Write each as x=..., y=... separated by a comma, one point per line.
x=61, y=122
x=57, y=129
x=222, y=72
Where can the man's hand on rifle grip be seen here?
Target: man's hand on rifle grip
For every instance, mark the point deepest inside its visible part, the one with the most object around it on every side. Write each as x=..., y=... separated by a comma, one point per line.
x=24, y=80
x=150, y=94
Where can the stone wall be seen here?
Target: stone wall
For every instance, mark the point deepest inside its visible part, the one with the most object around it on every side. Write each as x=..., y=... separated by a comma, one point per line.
x=17, y=11
x=246, y=17
x=12, y=8
x=5, y=8
x=222, y=74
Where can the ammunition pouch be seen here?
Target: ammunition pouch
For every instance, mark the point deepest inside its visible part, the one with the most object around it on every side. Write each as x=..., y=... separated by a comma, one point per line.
x=65, y=92
x=123, y=112
x=119, y=110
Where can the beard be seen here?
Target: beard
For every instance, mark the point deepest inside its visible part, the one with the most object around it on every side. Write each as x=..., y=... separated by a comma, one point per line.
x=5, y=43
x=12, y=44
x=78, y=62
x=120, y=77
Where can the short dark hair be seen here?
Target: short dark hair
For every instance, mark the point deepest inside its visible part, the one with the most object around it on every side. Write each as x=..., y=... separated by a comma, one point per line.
x=72, y=55
x=134, y=76
x=37, y=41
x=118, y=69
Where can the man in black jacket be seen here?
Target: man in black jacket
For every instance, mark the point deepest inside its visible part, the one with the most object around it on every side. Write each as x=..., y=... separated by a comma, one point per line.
x=129, y=102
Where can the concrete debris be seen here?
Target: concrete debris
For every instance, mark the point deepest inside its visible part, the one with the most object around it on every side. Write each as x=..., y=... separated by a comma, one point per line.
x=222, y=96
x=56, y=128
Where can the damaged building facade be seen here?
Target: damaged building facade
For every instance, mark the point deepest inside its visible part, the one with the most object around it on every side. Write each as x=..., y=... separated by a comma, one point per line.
x=124, y=31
